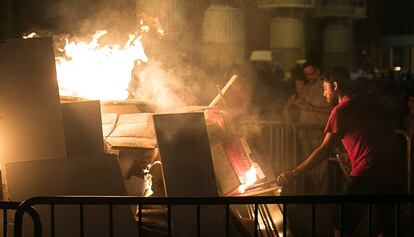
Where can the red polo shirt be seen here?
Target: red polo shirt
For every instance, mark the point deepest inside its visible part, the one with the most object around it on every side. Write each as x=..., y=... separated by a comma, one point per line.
x=365, y=136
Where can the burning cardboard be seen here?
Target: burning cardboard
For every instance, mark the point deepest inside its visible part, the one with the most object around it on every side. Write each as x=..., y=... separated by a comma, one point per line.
x=129, y=130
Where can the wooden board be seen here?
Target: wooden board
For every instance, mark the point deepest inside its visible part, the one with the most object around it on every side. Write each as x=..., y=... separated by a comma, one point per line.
x=85, y=175
x=227, y=179
x=185, y=154
x=32, y=124
x=83, y=128
x=135, y=130
x=188, y=171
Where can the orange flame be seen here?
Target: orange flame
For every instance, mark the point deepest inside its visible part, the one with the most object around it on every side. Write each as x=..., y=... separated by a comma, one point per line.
x=93, y=71
x=249, y=179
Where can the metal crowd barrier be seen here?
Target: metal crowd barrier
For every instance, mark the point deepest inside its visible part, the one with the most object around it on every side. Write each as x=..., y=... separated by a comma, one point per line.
x=7, y=207
x=283, y=144
x=282, y=141
x=283, y=201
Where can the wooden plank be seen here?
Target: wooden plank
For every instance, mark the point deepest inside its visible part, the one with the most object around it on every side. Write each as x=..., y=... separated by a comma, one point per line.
x=134, y=130
x=83, y=175
x=83, y=127
x=32, y=124
x=188, y=171
x=227, y=178
x=185, y=154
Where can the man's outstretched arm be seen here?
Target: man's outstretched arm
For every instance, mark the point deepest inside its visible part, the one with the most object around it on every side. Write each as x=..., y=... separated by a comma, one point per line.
x=317, y=156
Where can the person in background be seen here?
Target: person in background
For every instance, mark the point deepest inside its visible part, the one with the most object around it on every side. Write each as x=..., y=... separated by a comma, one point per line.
x=291, y=112
x=315, y=109
x=314, y=112
x=368, y=139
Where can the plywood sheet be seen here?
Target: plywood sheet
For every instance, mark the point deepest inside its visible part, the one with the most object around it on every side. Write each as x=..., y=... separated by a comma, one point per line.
x=185, y=154
x=227, y=179
x=188, y=171
x=129, y=130
x=32, y=124
x=83, y=127
x=85, y=175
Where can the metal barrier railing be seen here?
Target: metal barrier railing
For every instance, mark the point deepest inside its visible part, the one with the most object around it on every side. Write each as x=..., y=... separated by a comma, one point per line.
x=284, y=201
x=282, y=141
x=287, y=144
x=7, y=206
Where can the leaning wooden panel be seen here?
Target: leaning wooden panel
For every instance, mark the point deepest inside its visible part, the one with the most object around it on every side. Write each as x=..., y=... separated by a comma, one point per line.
x=83, y=127
x=188, y=172
x=32, y=124
x=82, y=175
x=185, y=154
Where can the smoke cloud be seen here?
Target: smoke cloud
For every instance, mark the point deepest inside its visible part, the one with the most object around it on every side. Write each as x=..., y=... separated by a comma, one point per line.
x=176, y=74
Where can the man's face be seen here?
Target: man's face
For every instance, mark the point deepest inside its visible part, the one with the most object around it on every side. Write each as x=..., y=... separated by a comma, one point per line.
x=311, y=73
x=329, y=92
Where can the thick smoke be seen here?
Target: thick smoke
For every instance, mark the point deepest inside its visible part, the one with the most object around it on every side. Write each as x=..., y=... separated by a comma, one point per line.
x=167, y=79
x=176, y=74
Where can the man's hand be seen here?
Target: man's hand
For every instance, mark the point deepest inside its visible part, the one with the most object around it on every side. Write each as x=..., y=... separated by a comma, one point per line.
x=286, y=176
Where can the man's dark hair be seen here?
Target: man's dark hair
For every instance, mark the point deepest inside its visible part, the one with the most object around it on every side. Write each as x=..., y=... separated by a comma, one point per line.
x=339, y=75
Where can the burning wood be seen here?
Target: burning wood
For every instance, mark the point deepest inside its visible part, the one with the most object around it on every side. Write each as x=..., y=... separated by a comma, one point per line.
x=223, y=91
x=95, y=71
x=31, y=35
x=249, y=179
x=148, y=179
x=92, y=70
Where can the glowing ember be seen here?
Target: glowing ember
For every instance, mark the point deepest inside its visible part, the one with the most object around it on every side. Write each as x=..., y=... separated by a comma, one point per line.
x=29, y=36
x=144, y=27
x=148, y=179
x=93, y=71
x=249, y=179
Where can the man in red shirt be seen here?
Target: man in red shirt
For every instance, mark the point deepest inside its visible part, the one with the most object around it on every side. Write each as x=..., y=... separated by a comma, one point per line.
x=359, y=123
